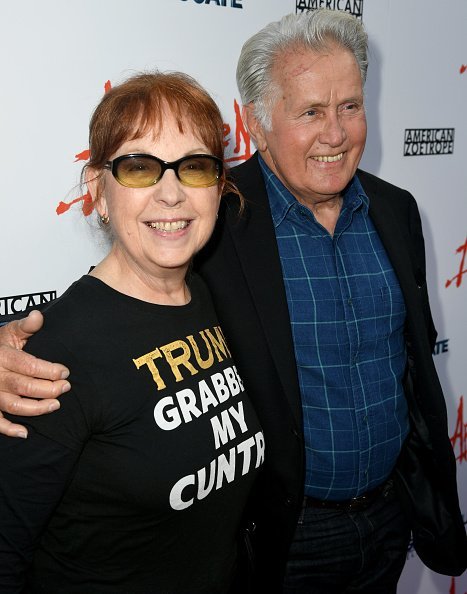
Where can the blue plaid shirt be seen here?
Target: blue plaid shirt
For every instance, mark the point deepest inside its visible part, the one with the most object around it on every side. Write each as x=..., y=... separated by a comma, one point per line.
x=347, y=314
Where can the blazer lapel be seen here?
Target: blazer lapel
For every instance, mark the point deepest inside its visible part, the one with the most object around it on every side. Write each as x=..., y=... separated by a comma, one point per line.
x=391, y=233
x=255, y=242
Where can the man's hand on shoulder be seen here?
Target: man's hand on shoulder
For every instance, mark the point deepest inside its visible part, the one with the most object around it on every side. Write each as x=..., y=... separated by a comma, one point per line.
x=22, y=374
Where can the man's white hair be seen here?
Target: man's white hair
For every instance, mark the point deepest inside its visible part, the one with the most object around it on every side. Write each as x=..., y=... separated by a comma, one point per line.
x=314, y=30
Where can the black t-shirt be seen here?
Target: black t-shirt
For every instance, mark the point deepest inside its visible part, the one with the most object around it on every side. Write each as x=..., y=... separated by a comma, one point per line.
x=137, y=484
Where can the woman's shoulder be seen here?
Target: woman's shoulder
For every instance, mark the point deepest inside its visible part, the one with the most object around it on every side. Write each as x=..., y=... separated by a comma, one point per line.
x=77, y=304
x=74, y=316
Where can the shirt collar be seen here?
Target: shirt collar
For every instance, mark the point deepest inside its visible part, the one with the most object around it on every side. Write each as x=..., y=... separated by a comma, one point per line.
x=281, y=200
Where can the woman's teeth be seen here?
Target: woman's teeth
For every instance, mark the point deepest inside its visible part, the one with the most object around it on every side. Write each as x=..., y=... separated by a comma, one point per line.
x=168, y=225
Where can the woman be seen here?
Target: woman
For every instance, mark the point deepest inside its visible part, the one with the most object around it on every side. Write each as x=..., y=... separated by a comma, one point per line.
x=137, y=484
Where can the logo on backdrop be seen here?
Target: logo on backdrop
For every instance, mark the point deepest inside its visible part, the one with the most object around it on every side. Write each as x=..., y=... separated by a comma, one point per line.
x=463, y=68
x=419, y=142
x=226, y=3
x=18, y=305
x=354, y=7
x=239, y=147
x=242, y=148
x=86, y=206
x=453, y=589
x=457, y=278
x=441, y=346
x=459, y=437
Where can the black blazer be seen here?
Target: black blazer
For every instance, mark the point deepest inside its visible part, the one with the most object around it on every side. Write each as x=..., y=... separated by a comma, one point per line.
x=242, y=268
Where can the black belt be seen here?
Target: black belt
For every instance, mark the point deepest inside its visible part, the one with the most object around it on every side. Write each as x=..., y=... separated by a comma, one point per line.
x=355, y=504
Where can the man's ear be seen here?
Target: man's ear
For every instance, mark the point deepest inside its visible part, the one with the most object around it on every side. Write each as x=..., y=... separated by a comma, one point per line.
x=95, y=186
x=254, y=127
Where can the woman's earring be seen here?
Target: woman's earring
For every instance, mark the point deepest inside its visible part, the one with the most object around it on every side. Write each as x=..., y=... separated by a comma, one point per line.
x=105, y=220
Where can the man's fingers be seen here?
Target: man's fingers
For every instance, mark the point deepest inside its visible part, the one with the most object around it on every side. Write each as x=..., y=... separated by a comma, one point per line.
x=14, y=362
x=17, y=384
x=31, y=324
x=26, y=407
x=22, y=374
x=15, y=334
x=23, y=363
x=11, y=429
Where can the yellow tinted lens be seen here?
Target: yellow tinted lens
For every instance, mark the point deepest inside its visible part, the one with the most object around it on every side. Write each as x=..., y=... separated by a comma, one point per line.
x=138, y=172
x=199, y=172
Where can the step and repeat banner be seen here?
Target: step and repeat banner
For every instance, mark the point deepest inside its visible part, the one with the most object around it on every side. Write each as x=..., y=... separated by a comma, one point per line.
x=58, y=58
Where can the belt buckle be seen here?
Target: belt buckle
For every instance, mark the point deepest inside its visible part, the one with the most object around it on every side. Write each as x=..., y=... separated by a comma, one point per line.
x=358, y=503
x=363, y=501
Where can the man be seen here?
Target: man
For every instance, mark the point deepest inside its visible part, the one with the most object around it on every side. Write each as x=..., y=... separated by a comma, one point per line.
x=320, y=287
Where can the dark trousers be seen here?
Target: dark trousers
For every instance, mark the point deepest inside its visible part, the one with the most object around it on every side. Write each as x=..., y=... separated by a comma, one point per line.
x=349, y=552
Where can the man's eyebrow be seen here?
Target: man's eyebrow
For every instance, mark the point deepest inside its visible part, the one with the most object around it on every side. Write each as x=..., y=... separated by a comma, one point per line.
x=310, y=103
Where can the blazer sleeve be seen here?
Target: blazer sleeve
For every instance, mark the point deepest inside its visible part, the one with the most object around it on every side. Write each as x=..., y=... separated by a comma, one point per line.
x=418, y=250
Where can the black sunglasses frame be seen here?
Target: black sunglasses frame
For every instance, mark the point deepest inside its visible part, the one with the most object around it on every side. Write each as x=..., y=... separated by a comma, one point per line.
x=112, y=166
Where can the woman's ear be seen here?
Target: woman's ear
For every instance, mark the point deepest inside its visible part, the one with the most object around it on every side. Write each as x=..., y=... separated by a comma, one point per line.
x=95, y=185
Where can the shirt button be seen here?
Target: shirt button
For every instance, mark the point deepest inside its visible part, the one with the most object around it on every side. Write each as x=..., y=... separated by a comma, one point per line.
x=350, y=302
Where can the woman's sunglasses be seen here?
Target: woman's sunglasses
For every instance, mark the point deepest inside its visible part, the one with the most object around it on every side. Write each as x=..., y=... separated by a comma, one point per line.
x=142, y=171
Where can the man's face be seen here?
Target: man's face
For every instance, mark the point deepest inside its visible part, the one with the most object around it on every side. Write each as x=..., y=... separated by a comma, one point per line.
x=318, y=123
